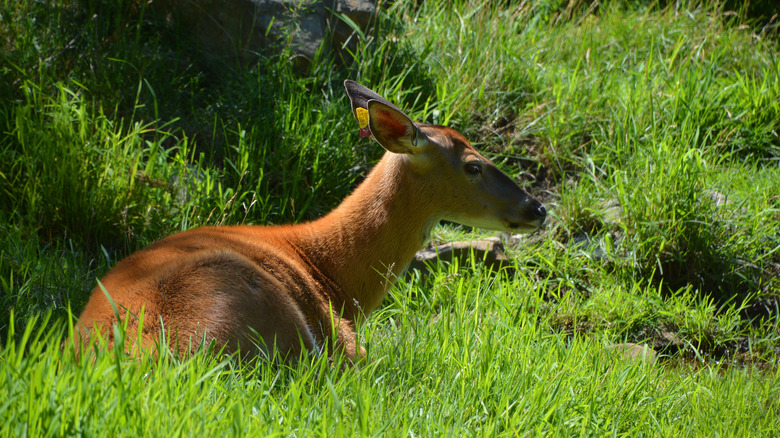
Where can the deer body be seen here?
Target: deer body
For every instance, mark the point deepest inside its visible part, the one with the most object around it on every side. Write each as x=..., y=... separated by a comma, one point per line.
x=289, y=287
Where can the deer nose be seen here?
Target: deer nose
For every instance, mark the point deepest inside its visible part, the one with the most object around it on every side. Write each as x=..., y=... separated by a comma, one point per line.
x=540, y=212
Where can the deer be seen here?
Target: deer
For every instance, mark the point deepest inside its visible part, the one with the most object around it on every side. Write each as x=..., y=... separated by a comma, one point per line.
x=296, y=289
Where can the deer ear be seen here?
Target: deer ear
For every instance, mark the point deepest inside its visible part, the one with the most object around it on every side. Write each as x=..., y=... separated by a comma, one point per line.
x=359, y=97
x=394, y=130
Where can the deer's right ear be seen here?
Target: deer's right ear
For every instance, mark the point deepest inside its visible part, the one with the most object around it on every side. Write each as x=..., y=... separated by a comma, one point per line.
x=394, y=130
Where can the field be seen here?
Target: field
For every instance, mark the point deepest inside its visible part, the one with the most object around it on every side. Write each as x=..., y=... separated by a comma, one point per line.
x=650, y=131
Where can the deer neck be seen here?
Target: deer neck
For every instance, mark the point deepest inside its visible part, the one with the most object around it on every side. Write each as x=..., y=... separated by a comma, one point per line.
x=370, y=239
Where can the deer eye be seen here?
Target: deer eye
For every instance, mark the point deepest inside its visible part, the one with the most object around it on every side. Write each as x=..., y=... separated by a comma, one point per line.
x=473, y=168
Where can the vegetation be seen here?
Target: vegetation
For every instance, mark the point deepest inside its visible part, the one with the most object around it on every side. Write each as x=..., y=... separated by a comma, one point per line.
x=649, y=130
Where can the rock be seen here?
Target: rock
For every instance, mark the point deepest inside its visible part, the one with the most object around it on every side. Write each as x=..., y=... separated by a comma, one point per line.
x=719, y=199
x=666, y=339
x=487, y=251
x=612, y=211
x=235, y=30
x=635, y=352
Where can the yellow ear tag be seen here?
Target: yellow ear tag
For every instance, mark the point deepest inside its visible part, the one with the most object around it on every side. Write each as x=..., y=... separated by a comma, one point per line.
x=362, y=116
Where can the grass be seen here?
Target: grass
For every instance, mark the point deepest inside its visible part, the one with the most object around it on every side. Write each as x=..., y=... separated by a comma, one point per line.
x=650, y=131
x=482, y=367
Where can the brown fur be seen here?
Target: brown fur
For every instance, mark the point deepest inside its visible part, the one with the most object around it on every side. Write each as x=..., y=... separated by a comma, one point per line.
x=296, y=286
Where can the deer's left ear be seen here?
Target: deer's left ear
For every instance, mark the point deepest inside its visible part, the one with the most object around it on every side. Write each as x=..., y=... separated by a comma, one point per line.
x=394, y=130
x=359, y=97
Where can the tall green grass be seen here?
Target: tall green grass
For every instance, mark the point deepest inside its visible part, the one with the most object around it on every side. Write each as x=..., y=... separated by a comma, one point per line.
x=482, y=367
